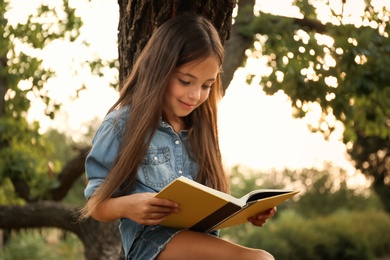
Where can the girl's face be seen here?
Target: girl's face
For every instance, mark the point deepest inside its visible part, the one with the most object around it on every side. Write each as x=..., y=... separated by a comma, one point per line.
x=189, y=86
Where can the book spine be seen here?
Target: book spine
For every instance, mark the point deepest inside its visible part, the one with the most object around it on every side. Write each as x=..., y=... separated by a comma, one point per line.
x=218, y=216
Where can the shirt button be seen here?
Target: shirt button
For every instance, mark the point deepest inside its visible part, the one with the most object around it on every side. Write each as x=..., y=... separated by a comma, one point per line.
x=180, y=171
x=177, y=142
x=155, y=158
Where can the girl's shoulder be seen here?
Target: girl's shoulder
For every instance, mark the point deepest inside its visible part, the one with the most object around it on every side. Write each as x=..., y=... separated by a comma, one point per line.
x=118, y=115
x=116, y=119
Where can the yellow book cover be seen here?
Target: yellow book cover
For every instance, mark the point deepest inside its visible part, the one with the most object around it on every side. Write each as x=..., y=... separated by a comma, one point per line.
x=205, y=209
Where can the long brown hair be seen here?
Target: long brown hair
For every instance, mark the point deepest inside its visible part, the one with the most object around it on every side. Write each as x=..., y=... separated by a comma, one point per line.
x=181, y=40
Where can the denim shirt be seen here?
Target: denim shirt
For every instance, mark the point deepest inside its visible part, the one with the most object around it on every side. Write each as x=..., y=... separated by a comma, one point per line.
x=166, y=159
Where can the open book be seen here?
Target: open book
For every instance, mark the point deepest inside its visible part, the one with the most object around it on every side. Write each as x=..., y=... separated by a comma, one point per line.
x=205, y=209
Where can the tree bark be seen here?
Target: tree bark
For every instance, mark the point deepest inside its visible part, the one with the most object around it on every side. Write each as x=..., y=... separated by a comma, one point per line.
x=139, y=18
x=101, y=240
x=69, y=174
x=238, y=43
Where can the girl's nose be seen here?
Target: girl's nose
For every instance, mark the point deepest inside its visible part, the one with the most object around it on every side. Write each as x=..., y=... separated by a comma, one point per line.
x=195, y=92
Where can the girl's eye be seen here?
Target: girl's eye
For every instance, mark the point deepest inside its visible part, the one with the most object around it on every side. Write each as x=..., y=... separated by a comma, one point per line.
x=206, y=86
x=184, y=83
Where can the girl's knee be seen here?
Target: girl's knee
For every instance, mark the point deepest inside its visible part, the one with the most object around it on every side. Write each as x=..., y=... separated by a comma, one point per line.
x=261, y=255
x=266, y=256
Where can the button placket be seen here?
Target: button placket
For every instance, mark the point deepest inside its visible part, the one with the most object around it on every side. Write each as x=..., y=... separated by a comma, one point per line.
x=179, y=157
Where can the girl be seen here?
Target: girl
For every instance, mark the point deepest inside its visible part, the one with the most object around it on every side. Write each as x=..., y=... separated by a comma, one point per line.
x=164, y=125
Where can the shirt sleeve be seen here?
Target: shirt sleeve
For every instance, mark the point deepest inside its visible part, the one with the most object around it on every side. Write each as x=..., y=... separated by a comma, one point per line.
x=105, y=146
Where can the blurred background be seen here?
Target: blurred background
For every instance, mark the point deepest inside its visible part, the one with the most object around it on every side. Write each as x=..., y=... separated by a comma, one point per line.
x=307, y=108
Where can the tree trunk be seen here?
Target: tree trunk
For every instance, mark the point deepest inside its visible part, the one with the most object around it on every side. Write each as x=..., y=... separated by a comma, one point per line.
x=101, y=240
x=139, y=18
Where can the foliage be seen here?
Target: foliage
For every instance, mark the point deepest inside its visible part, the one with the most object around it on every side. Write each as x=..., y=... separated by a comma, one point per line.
x=329, y=186
x=8, y=195
x=29, y=161
x=344, y=235
x=327, y=221
x=341, y=67
x=37, y=166
x=37, y=245
x=21, y=44
x=75, y=195
x=21, y=158
x=23, y=151
x=338, y=68
x=34, y=163
x=327, y=195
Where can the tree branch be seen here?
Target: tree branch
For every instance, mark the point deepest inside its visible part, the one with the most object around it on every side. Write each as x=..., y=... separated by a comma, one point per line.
x=38, y=214
x=73, y=169
x=101, y=240
x=238, y=43
x=69, y=174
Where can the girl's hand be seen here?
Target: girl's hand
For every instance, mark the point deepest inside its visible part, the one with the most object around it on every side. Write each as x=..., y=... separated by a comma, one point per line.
x=260, y=219
x=145, y=209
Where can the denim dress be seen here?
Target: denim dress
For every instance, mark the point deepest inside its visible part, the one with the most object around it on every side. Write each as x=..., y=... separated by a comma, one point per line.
x=166, y=159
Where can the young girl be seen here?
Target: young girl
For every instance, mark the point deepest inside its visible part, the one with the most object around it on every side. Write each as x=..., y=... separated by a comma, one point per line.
x=164, y=125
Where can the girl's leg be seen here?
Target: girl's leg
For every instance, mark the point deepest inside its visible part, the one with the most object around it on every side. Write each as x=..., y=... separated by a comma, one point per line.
x=194, y=245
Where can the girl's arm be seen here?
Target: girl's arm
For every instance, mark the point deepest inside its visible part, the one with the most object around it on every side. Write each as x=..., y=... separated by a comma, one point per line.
x=142, y=208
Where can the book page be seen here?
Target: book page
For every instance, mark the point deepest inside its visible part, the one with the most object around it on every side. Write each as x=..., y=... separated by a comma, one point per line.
x=262, y=194
x=254, y=208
